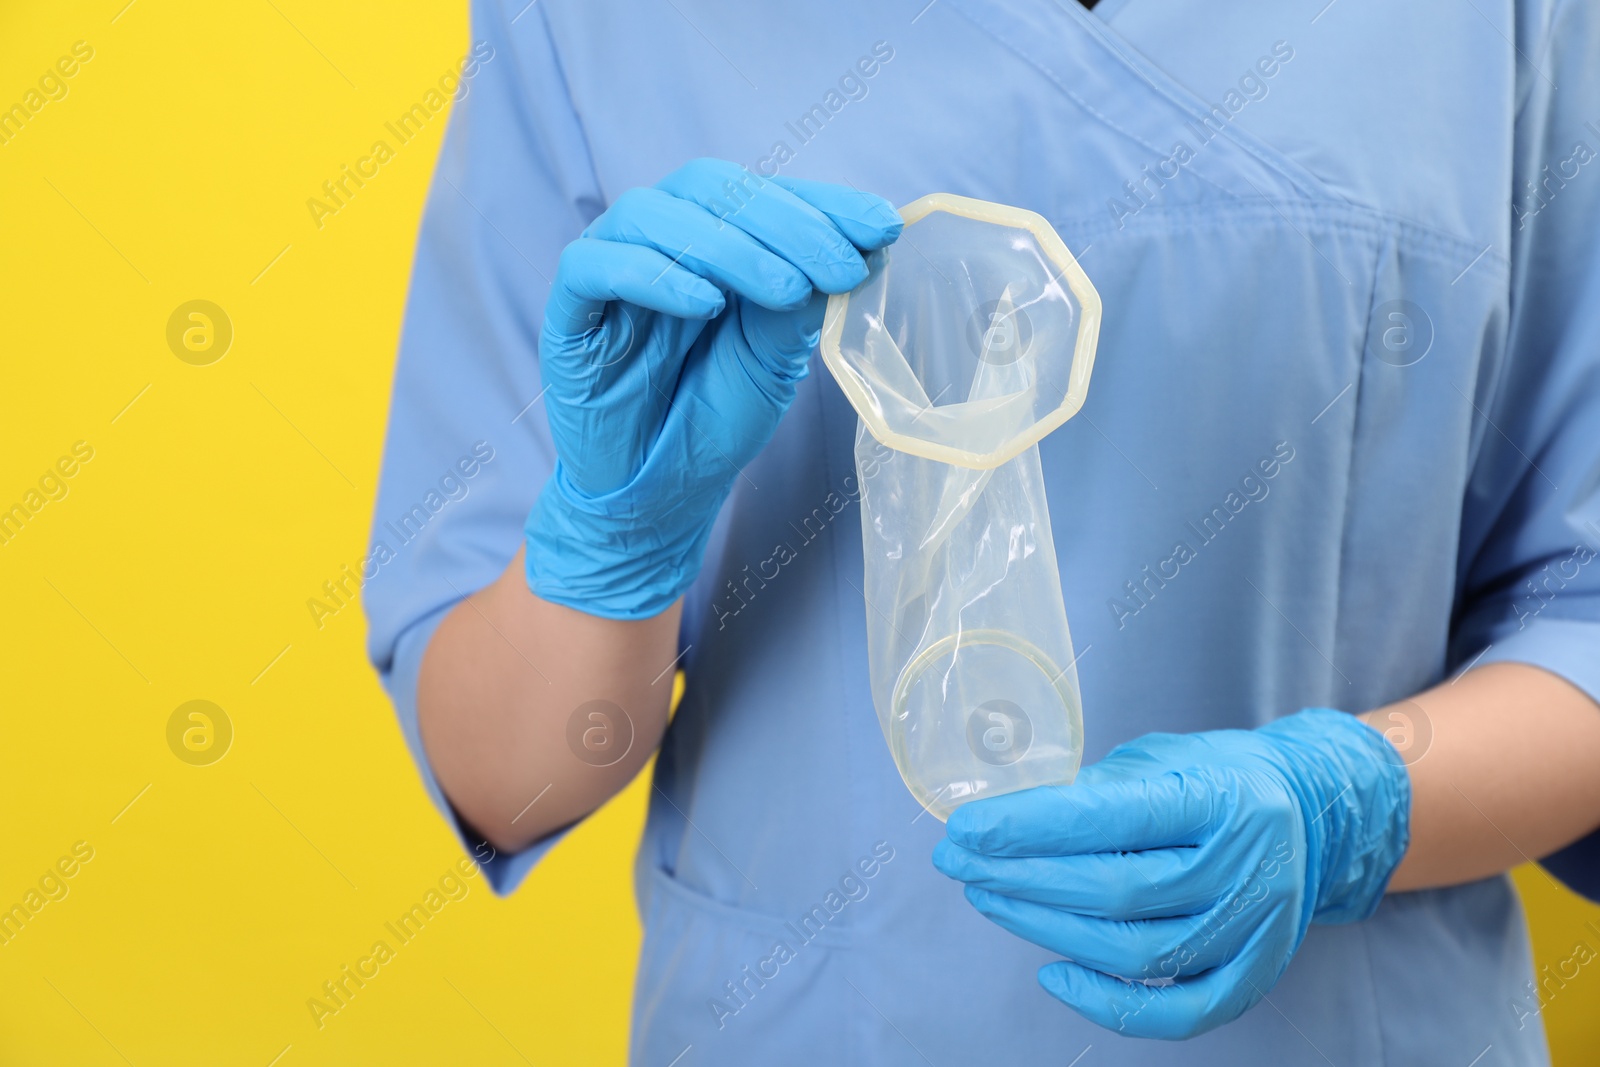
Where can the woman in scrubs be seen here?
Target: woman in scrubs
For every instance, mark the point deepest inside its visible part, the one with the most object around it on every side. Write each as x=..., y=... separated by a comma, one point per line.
x=1326, y=524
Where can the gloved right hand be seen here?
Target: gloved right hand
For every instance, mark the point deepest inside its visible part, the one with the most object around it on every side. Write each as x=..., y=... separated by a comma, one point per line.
x=1179, y=875
x=677, y=329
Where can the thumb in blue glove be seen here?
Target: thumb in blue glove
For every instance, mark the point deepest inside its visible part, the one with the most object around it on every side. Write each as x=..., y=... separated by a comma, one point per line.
x=1179, y=875
x=677, y=330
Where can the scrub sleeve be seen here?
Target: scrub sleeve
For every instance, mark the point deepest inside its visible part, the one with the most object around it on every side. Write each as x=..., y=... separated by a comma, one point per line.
x=1528, y=579
x=468, y=366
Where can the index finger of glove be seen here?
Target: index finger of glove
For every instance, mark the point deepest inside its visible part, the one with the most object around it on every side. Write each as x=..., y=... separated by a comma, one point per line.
x=785, y=223
x=1126, y=815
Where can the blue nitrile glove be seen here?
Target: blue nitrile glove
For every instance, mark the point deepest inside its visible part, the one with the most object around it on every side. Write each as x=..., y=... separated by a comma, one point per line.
x=677, y=328
x=1179, y=874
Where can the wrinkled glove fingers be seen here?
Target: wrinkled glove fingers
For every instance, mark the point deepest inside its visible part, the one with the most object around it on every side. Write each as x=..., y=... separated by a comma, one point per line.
x=869, y=221
x=1160, y=883
x=1141, y=949
x=782, y=221
x=1149, y=756
x=1124, y=815
x=1169, y=1011
x=778, y=344
x=754, y=365
x=594, y=273
x=698, y=241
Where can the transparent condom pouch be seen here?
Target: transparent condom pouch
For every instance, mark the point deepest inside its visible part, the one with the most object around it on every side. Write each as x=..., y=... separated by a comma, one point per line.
x=971, y=339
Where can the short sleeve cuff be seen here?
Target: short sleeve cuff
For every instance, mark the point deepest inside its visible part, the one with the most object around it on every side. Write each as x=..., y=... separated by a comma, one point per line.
x=504, y=871
x=1570, y=649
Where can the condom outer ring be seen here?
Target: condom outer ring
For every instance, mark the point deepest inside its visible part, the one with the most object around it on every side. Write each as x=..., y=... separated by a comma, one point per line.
x=860, y=395
x=1070, y=704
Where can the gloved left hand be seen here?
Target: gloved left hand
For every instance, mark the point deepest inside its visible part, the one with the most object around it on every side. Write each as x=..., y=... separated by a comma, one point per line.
x=1179, y=874
x=677, y=331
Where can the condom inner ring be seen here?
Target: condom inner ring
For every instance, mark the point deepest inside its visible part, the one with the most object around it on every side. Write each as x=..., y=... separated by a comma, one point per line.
x=1056, y=678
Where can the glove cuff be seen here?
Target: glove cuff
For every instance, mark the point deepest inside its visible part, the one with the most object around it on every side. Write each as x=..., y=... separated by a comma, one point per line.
x=609, y=555
x=1358, y=796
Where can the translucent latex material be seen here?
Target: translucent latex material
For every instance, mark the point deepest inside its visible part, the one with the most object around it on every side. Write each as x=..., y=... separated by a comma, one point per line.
x=972, y=337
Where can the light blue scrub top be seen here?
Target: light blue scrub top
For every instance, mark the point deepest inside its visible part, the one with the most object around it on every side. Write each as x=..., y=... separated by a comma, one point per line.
x=1435, y=488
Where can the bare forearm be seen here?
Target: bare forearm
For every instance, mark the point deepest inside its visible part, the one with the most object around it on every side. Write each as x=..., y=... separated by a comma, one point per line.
x=534, y=714
x=1503, y=764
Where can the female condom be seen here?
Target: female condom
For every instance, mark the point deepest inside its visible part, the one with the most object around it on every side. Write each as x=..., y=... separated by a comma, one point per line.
x=972, y=338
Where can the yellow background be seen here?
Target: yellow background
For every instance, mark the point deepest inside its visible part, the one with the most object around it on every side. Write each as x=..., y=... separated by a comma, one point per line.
x=178, y=566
